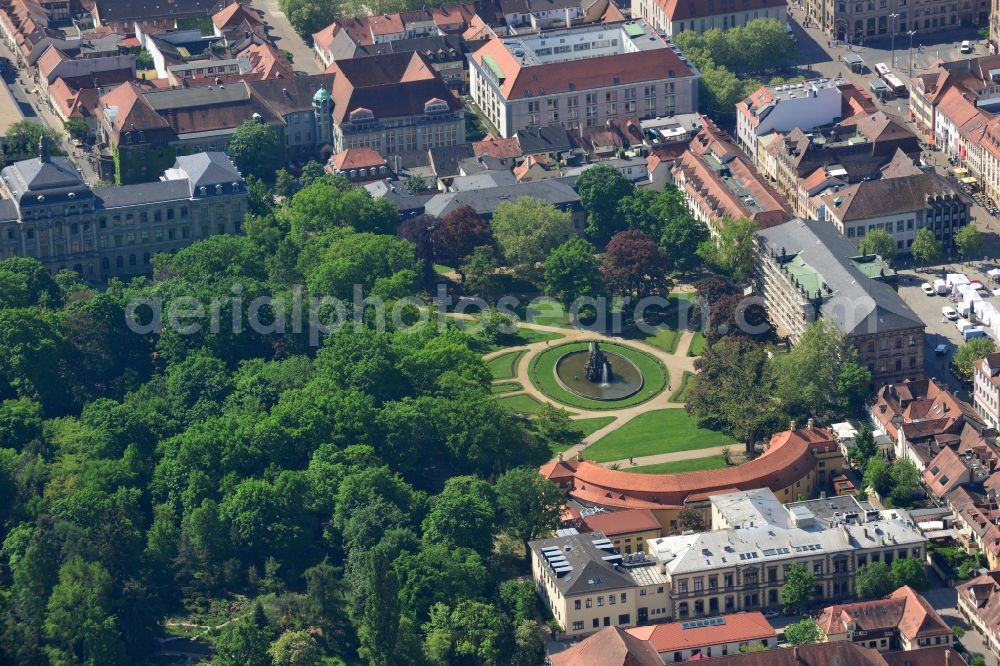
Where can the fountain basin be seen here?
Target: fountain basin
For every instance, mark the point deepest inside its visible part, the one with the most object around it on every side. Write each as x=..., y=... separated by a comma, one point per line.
x=625, y=379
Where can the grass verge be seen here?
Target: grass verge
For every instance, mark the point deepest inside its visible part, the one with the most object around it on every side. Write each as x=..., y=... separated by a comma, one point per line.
x=504, y=366
x=521, y=404
x=692, y=465
x=653, y=433
x=590, y=426
x=687, y=383
x=506, y=387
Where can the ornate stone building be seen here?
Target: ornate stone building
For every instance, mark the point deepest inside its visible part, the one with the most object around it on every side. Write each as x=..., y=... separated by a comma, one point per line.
x=48, y=212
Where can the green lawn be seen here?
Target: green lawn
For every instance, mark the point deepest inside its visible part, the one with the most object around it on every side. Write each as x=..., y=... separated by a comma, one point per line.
x=658, y=431
x=668, y=322
x=590, y=426
x=546, y=311
x=504, y=366
x=687, y=383
x=543, y=376
x=441, y=269
x=522, y=404
x=524, y=336
x=697, y=346
x=693, y=465
x=506, y=387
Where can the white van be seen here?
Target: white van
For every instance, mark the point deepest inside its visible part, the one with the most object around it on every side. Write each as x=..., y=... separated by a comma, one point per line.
x=963, y=324
x=940, y=287
x=966, y=46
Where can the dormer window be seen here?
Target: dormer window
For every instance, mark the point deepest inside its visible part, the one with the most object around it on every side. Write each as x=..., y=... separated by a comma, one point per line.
x=435, y=105
x=362, y=115
x=218, y=189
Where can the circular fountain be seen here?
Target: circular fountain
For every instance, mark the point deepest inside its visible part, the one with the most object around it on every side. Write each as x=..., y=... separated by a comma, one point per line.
x=599, y=375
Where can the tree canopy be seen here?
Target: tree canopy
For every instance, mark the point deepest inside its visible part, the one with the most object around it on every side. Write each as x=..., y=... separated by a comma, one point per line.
x=254, y=149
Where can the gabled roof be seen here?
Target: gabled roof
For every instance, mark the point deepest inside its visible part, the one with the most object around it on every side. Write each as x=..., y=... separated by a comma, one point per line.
x=610, y=646
x=498, y=148
x=390, y=85
x=818, y=654
x=126, y=108
x=207, y=169
x=357, y=158
x=130, y=10
x=735, y=628
x=622, y=522
x=235, y=14
x=890, y=196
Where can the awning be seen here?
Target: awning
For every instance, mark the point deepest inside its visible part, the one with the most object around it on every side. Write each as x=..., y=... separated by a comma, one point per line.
x=960, y=171
x=969, y=180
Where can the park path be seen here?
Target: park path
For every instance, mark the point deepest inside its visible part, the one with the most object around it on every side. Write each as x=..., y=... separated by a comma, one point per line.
x=676, y=363
x=691, y=454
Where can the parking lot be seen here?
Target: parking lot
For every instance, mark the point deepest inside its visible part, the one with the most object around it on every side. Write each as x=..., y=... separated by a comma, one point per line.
x=929, y=309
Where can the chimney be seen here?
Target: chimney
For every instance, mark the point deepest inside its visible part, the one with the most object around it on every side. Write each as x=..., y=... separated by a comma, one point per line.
x=795, y=654
x=809, y=424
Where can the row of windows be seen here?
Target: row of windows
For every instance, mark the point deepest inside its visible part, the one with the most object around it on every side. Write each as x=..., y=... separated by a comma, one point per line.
x=623, y=619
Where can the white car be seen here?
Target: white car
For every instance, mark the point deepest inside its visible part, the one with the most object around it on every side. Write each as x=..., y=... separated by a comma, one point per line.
x=966, y=46
x=771, y=614
x=927, y=288
x=950, y=313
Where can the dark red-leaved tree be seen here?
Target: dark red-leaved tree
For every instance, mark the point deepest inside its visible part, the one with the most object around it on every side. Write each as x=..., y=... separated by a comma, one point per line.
x=634, y=265
x=458, y=233
x=419, y=230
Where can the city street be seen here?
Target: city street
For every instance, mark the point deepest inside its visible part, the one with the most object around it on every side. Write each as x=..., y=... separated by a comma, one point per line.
x=37, y=110
x=285, y=37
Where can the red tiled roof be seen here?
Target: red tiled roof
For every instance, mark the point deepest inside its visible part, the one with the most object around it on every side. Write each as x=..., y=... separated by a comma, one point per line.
x=390, y=85
x=818, y=654
x=738, y=627
x=558, y=77
x=498, y=148
x=357, y=158
x=610, y=646
x=788, y=459
x=622, y=522
x=133, y=109
x=387, y=24
x=235, y=14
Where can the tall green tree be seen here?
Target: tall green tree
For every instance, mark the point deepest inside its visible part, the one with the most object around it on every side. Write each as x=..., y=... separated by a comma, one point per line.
x=798, y=588
x=529, y=229
x=969, y=241
x=310, y=16
x=601, y=188
x=873, y=580
x=733, y=251
x=926, y=249
x=295, y=648
x=880, y=242
x=377, y=611
x=463, y=515
x=821, y=372
x=965, y=357
x=910, y=571
x=472, y=632
x=863, y=448
x=572, y=271
x=255, y=150
x=528, y=502
x=735, y=391
x=80, y=624
x=22, y=137
x=803, y=632
x=246, y=641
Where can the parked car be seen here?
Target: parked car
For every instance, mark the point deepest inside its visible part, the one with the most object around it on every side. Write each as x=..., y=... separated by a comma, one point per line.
x=941, y=349
x=966, y=46
x=950, y=313
x=771, y=614
x=976, y=284
x=927, y=288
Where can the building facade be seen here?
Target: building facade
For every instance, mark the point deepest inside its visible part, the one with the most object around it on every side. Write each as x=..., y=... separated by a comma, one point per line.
x=743, y=568
x=902, y=621
x=676, y=16
x=856, y=21
x=581, y=77
x=900, y=207
x=587, y=584
x=394, y=103
x=47, y=212
x=805, y=105
x=986, y=389
x=807, y=271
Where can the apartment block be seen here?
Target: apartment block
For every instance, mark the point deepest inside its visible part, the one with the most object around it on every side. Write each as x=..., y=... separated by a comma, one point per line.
x=855, y=21
x=581, y=77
